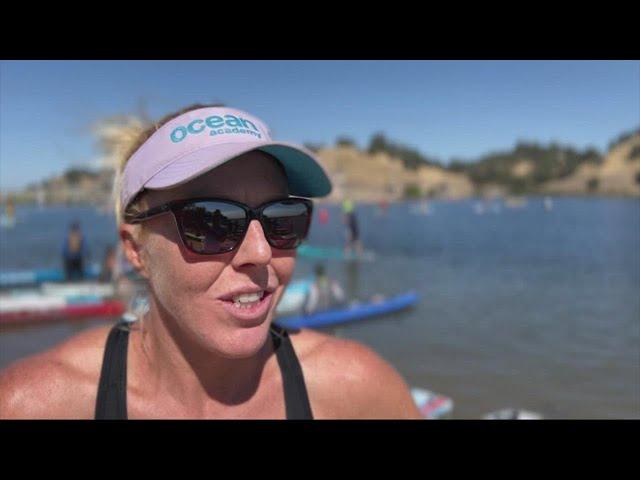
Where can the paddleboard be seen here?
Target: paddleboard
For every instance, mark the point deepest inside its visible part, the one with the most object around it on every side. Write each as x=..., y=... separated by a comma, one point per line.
x=32, y=277
x=351, y=313
x=431, y=405
x=333, y=253
x=512, y=414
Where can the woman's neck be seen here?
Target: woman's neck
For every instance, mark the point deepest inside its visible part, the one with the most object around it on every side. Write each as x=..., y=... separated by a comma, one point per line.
x=173, y=364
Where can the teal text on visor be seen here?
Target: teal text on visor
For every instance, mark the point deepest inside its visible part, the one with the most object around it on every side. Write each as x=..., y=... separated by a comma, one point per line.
x=217, y=125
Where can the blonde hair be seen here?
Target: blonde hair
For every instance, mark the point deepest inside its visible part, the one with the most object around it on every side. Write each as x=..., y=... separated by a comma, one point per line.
x=129, y=139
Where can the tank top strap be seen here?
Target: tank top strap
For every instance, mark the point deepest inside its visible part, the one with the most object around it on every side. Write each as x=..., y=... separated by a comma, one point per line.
x=295, y=391
x=111, y=401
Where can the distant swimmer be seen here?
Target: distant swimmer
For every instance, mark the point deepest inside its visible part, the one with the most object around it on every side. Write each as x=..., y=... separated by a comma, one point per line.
x=74, y=251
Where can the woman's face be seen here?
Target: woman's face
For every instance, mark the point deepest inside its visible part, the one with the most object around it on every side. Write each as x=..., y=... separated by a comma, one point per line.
x=197, y=291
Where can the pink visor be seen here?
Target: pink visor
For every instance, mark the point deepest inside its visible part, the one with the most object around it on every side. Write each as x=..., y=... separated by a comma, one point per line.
x=200, y=140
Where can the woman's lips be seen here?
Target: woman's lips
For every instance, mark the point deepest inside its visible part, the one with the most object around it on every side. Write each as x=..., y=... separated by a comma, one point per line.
x=252, y=315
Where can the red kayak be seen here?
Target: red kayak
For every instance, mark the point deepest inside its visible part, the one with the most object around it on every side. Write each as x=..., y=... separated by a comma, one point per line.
x=107, y=308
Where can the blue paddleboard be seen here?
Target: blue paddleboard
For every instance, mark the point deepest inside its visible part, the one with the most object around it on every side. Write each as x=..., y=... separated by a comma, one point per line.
x=351, y=313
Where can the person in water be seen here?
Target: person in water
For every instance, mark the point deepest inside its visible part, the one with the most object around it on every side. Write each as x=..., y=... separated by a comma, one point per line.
x=206, y=346
x=324, y=293
x=74, y=251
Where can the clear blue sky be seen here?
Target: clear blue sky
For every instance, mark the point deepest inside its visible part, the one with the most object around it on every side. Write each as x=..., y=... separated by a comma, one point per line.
x=443, y=108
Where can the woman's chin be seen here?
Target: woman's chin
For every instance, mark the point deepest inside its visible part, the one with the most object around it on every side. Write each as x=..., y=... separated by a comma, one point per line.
x=239, y=343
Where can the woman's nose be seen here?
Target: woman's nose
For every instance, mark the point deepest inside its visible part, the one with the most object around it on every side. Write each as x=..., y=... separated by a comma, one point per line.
x=254, y=248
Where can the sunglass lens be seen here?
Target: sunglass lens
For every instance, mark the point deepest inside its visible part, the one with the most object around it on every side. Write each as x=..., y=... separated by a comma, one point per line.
x=286, y=223
x=212, y=227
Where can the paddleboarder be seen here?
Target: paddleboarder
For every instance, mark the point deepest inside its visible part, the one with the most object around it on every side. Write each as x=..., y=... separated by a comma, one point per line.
x=210, y=213
x=353, y=233
x=324, y=293
x=74, y=251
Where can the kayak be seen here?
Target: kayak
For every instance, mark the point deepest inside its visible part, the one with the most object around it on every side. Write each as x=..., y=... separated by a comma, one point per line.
x=431, y=405
x=351, y=313
x=33, y=277
x=62, y=311
x=52, y=301
x=333, y=253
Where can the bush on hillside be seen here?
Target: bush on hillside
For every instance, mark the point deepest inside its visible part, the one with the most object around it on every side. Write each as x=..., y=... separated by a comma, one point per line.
x=345, y=142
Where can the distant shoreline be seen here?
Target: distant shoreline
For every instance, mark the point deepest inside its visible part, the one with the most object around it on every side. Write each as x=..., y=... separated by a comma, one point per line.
x=334, y=202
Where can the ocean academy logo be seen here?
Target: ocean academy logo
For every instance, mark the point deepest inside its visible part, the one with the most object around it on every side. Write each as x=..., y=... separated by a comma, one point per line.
x=218, y=125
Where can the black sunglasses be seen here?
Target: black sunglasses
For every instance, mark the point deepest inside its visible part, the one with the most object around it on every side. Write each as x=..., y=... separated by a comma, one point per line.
x=209, y=226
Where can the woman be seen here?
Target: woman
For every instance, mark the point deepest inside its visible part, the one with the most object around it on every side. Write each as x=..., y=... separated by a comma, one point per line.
x=208, y=217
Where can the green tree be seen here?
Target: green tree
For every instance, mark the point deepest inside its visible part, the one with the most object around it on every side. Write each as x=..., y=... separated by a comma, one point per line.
x=378, y=143
x=623, y=137
x=344, y=141
x=412, y=191
x=74, y=175
x=314, y=147
x=634, y=154
x=411, y=158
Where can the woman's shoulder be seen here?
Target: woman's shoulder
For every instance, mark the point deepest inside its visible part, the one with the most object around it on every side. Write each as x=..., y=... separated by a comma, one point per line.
x=60, y=382
x=347, y=379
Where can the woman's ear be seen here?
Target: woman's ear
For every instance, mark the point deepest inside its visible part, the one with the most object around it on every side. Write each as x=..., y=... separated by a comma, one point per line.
x=132, y=248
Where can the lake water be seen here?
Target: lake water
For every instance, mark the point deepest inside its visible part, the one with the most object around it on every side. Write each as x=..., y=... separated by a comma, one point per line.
x=519, y=307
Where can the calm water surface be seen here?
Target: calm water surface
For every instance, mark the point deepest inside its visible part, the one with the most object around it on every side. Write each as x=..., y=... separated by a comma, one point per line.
x=519, y=307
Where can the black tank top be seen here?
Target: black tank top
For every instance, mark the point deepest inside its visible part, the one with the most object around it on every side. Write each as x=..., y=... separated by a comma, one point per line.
x=111, y=403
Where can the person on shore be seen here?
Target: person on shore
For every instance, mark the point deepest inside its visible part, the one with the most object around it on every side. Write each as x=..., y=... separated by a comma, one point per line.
x=324, y=293
x=210, y=213
x=74, y=251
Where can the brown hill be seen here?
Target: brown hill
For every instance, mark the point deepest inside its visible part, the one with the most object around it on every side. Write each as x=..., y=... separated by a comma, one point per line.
x=368, y=177
x=618, y=174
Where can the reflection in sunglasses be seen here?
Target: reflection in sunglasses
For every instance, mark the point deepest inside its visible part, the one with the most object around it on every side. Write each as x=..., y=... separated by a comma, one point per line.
x=211, y=227
x=195, y=241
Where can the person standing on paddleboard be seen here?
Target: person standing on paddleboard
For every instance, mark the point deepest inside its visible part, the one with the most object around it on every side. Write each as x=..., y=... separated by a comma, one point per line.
x=210, y=213
x=353, y=233
x=74, y=252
